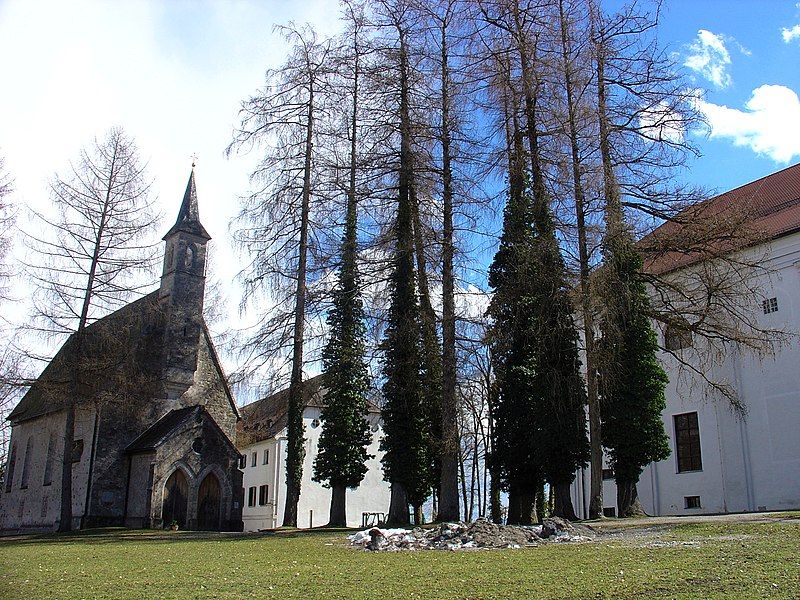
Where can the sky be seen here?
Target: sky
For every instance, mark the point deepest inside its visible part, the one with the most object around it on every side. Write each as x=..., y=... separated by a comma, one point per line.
x=173, y=74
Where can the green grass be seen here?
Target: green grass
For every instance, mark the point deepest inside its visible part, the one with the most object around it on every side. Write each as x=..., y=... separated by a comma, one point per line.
x=744, y=560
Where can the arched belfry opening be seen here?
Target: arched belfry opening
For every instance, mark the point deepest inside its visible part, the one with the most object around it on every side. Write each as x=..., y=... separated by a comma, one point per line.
x=176, y=497
x=209, y=503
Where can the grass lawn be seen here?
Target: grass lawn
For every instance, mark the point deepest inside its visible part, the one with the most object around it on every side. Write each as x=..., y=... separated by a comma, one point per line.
x=704, y=560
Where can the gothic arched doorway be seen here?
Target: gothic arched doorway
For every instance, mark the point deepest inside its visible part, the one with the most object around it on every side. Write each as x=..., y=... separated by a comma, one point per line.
x=208, y=504
x=176, y=495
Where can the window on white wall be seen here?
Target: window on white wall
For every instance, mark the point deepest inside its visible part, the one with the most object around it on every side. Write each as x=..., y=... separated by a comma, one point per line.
x=262, y=495
x=251, y=496
x=254, y=459
x=687, y=442
x=770, y=305
x=243, y=461
x=266, y=458
x=677, y=337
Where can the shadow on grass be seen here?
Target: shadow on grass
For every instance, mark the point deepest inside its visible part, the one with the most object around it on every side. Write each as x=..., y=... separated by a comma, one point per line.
x=116, y=535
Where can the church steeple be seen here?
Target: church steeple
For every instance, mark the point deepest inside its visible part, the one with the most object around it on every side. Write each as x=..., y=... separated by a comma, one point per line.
x=189, y=215
x=182, y=292
x=185, y=250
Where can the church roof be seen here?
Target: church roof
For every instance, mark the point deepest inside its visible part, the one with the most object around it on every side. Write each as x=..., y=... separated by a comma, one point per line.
x=265, y=418
x=189, y=214
x=164, y=429
x=761, y=210
x=161, y=429
x=125, y=353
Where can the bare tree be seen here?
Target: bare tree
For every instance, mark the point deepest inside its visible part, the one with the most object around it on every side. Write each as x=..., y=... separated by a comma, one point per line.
x=278, y=218
x=90, y=259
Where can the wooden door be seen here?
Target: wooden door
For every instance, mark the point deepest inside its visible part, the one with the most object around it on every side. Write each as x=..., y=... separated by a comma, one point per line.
x=176, y=495
x=208, y=504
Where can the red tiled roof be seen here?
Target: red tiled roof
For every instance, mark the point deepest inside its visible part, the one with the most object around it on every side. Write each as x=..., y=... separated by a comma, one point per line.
x=768, y=208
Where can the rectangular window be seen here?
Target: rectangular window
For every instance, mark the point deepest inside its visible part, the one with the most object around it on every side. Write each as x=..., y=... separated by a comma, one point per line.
x=262, y=495
x=677, y=338
x=691, y=501
x=687, y=442
x=266, y=458
x=608, y=474
x=12, y=462
x=26, y=463
x=251, y=496
x=77, y=450
x=254, y=459
x=770, y=305
x=243, y=461
x=51, y=456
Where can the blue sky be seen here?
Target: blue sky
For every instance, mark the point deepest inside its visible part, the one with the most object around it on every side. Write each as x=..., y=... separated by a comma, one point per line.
x=746, y=49
x=173, y=74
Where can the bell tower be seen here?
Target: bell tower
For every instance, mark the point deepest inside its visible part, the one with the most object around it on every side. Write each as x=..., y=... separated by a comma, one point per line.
x=182, y=291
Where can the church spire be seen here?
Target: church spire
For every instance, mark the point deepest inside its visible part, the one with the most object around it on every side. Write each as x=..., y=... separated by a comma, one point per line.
x=189, y=216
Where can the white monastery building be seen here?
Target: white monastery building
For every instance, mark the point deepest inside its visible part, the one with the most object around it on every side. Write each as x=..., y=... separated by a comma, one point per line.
x=721, y=461
x=262, y=441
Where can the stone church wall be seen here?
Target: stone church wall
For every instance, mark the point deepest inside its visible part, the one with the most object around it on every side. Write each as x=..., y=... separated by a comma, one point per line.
x=35, y=502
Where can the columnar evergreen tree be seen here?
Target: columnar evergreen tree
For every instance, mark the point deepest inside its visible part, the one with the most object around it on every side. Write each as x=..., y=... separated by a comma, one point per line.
x=408, y=462
x=632, y=380
x=340, y=463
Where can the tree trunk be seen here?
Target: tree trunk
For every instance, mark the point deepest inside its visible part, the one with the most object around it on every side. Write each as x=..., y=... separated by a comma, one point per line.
x=563, y=502
x=294, y=443
x=338, y=516
x=448, y=484
x=521, y=507
x=628, y=504
x=595, y=439
x=398, y=507
x=419, y=518
x=65, y=523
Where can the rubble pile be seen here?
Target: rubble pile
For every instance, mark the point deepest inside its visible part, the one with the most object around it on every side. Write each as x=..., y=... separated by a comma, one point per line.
x=461, y=536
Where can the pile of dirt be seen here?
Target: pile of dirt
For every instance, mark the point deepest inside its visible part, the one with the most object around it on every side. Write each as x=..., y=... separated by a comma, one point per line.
x=461, y=536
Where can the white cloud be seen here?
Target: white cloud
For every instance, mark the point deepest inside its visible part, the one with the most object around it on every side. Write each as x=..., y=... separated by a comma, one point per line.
x=790, y=33
x=769, y=125
x=710, y=58
x=660, y=122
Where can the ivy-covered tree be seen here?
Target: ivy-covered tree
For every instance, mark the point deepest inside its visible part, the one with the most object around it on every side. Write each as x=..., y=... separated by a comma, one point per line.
x=340, y=462
x=632, y=381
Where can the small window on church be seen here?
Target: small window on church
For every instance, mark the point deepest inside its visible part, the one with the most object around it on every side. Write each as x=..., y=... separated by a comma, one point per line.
x=251, y=496
x=77, y=450
x=12, y=462
x=254, y=459
x=26, y=463
x=197, y=445
x=51, y=456
x=189, y=260
x=266, y=458
x=263, y=492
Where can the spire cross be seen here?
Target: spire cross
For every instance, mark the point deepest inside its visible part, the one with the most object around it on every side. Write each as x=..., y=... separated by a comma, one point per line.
x=194, y=160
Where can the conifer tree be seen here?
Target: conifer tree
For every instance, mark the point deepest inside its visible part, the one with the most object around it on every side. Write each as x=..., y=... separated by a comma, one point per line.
x=632, y=381
x=345, y=431
x=340, y=462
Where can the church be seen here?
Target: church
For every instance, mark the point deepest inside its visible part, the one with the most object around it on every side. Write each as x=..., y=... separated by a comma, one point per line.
x=155, y=422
